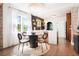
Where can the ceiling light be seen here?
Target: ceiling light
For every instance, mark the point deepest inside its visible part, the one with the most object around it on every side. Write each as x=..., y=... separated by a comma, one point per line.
x=37, y=5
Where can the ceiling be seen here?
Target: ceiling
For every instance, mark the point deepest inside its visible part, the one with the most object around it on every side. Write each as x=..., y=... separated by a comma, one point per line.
x=46, y=10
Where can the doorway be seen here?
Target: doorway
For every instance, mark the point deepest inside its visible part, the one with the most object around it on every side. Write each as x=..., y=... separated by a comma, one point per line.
x=49, y=26
x=68, y=27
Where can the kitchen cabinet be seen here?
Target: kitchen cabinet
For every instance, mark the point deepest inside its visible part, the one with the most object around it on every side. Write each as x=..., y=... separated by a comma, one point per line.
x=76, y=42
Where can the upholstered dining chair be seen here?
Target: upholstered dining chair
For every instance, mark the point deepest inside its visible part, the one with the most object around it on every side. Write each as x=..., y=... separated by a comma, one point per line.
x=45, y=37
x=22, y=41
x=42, y=40
x=24, y=34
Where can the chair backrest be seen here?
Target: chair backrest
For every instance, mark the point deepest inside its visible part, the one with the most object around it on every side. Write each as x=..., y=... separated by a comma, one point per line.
x=24, y=33
x=45, y=35
x=19, y=37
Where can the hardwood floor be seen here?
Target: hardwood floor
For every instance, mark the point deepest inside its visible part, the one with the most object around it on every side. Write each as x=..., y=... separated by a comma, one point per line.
x=55, y=50
x=61, y=50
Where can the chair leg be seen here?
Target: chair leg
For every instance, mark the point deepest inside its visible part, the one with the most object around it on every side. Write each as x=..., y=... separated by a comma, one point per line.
x=18, y=46
x=41, y=47
x=22, y=47
x=46, y=46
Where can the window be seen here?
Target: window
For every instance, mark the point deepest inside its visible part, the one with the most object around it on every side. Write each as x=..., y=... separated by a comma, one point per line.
x=19, y=23
x=22, y=24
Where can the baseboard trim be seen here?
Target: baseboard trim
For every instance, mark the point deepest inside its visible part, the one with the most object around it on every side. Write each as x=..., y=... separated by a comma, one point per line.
x=9, y=47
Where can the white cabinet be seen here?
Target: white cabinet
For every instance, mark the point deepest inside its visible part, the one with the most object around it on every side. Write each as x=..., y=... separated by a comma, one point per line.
x=52, y=37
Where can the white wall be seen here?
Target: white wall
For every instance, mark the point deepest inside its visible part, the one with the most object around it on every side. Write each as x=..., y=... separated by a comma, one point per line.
x=74, y=22
x=59, y=25
x=7, y=25
x=74, y=17
x=52, y=34
x=10, y=25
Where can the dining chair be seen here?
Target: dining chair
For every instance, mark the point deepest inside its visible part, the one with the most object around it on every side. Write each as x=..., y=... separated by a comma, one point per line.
x=24, y=33
x=22, y=41
x=42, y=40
x=45, y=37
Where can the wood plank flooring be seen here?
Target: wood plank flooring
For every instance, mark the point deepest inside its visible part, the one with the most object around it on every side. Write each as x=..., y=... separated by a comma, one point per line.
x=55, y=50
x=61, y=50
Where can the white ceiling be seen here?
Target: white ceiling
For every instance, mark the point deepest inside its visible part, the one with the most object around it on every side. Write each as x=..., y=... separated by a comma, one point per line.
x=46, y=10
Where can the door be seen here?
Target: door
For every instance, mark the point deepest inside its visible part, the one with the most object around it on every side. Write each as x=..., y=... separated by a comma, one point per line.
x=68, y=27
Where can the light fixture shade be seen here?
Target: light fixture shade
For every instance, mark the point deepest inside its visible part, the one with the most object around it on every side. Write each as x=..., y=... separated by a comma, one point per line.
x=37, y=5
